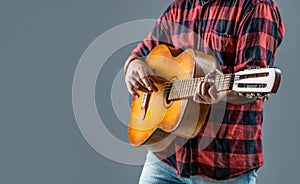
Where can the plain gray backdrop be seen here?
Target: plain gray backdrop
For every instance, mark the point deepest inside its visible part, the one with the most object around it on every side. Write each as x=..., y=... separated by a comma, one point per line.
x=40, y=45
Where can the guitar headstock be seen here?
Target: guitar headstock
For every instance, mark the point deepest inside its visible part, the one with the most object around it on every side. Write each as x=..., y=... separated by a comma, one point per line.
x=257, y=82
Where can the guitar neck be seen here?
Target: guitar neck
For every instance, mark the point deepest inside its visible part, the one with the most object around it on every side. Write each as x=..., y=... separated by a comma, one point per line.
x=181, y=89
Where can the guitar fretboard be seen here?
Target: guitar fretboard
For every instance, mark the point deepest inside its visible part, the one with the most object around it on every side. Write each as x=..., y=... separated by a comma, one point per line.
x=186, y=88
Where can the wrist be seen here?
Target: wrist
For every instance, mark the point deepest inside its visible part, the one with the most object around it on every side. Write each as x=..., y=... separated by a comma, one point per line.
x=129, y=61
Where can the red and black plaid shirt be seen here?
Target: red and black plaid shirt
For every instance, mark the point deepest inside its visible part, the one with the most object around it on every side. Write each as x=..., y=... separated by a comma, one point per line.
x=240, y=33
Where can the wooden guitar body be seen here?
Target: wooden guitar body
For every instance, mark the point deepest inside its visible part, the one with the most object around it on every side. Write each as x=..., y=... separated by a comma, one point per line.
x=157, y=118
x=154, y=120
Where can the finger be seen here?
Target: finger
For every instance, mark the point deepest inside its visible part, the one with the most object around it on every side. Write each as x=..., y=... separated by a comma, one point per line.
x=157, y=80
x=210, y=74
x=138, y=79
x=204, y=86
x=131, y=90
x=138, y=86
x=137, y=82
x=213, y=93
x=141, y=88
x=215, y=75
x=148, y=84
x=198, y=99
x=199, y=96
x=144, y=76
x=214, y=72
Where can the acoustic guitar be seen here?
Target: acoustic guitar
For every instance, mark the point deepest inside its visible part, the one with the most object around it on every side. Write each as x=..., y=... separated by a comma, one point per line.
x=157, y=118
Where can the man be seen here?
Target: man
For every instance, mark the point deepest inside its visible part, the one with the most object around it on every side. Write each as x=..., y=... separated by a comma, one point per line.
x=241, y=34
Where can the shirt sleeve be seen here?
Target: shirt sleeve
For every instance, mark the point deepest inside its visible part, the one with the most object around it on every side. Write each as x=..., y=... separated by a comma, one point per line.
x=261, y=32
x=158, y=35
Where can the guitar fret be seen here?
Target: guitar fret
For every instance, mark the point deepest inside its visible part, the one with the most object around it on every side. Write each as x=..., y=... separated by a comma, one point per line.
x=190, y=87
x=176, y=90
x=218, y=81
x=181, y=89
x=185, y=88
x=196, y=82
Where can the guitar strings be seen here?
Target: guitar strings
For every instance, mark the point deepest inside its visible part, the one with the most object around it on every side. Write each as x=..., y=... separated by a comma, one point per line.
x=201, y=78
x=188, y=90
x=182, y=83
x=191, y=87
x=195, y=79
x=187, y=86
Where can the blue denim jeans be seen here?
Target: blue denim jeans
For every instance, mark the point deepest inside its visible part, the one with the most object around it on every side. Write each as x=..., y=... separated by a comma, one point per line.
x=157, y=172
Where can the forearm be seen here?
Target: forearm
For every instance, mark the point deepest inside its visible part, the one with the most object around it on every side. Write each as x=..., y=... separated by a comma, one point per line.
x=233, y=98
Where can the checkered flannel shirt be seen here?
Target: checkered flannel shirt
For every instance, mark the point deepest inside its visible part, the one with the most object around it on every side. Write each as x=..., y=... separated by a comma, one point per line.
x=240, y=34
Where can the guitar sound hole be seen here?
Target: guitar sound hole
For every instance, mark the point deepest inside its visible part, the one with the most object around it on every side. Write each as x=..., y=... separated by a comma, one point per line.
x=167, y=99
x=167, y=94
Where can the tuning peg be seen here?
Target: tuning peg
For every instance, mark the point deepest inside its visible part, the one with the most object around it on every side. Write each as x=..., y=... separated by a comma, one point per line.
x=266, y=96
x=260, y=95
x=250, y=95
x=241, y=94
x=263, y=96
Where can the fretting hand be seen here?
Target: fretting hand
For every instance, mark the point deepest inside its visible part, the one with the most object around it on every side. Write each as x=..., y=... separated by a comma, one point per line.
x=206, y=91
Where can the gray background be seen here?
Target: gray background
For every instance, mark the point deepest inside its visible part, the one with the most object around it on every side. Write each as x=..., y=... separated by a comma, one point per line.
x=40, y=44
